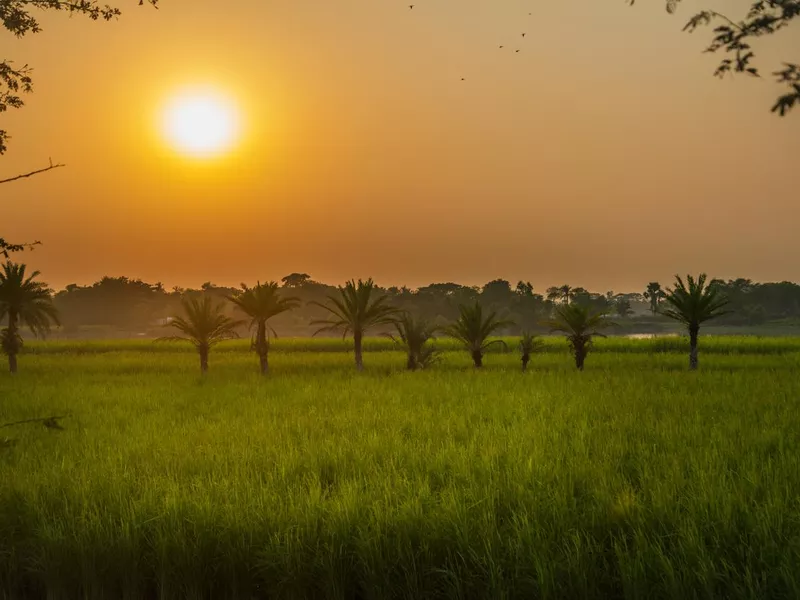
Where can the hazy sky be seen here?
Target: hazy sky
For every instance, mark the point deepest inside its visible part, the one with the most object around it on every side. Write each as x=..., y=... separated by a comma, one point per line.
x=603, y=154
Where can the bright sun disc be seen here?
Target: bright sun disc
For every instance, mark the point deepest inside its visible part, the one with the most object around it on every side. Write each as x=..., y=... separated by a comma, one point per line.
x=201, y=124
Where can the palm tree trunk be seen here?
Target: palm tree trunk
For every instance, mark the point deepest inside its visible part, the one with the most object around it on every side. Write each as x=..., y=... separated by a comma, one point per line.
x=262, y=348
x=357, y=338
x=12, y=334
x=263, y=360
x=203, y=351
x=580, y=356
x=477, y=358
x=694, y=331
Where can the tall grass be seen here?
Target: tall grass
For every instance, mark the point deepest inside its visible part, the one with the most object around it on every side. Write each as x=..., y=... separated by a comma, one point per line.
x=724, y=344
x=633, y=479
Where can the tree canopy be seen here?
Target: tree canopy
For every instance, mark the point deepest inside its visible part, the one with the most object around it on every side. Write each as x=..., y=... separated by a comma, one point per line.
x=733, y=37
x=18, y=17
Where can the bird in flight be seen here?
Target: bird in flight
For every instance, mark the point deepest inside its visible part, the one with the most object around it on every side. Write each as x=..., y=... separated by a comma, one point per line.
x=523, y=35
x=410, y=6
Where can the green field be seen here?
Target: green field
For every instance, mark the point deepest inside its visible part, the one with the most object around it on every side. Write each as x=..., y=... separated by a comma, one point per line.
x=635, y=478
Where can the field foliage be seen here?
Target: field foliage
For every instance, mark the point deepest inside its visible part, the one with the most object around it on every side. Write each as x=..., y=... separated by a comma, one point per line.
x=635, y=478
x=723, y=344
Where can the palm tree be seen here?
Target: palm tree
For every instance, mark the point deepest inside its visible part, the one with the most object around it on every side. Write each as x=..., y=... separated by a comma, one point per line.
x=655, y=295
x=473, y=329
x=566, y=293
x=413, y=335
x=205, y=325
x=693, y=305
x=579, y=324
x=23, y=301
x=261, y=303
x=553, y=294
x=529, y=344
x=356, y=309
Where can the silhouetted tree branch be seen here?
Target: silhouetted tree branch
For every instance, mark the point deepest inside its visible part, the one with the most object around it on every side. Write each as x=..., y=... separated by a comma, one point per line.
x=32, y=173
x=7, y=248
x=50, y=422
x=765, y=17
x=17, y=18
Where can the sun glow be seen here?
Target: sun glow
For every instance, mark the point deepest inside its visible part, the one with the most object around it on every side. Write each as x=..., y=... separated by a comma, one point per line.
x=201, y=123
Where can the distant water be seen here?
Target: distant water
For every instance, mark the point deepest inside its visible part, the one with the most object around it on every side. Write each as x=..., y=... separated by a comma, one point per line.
x=649, y=336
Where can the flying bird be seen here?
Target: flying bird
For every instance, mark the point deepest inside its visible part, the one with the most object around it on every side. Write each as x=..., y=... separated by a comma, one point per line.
x=410, y=6
x=523, y=35
x=517, y=50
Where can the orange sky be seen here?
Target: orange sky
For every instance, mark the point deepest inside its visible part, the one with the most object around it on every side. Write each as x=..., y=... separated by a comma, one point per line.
x=603, y=155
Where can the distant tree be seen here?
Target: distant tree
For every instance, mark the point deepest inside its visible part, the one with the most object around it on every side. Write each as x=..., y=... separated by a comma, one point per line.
x=622, y=306
x=764, y=17
x=473, y=329
x=566, y=293
x=497, y=290
x=262, y=302
x=580, y=325
x=440, y=301
x=528, y=344
x=692, y=304
x=524, y=289
x=413, y=336
x=23, y=301
x=654, y=295
x=357, y=308
x=204, y=325
x=119, y=302
x=296, y=280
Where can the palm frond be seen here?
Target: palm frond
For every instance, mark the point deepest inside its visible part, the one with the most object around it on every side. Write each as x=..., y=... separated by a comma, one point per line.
x=693, y=302
x=27, y=302
x=473, y=327
x=204, y=323
x=355, y=309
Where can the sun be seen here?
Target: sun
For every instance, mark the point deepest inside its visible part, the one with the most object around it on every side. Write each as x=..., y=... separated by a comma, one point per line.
x=201, y=123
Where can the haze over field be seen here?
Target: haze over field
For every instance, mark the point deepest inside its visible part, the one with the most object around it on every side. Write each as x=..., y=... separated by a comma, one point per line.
x=603, y=153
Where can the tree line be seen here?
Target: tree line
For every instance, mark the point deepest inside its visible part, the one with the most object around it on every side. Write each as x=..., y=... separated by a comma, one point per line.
x=121, y=306
x=360, y=307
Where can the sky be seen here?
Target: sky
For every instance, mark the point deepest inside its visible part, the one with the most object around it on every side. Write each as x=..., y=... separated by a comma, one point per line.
x=404, y=145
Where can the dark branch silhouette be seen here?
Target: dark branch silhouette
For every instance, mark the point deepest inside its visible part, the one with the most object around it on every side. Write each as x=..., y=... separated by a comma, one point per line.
x=49, y=422
x=765, y=17
x=32, y=173
x=7, y=248
x=16, y=17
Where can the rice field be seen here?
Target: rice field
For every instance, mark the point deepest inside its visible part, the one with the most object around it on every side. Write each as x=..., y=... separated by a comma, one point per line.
x=635, y=478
